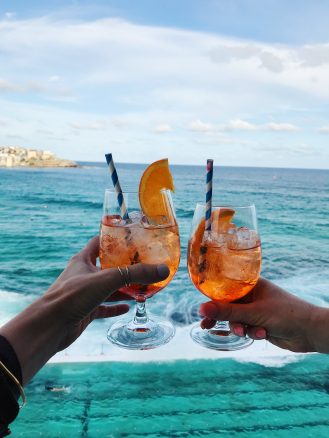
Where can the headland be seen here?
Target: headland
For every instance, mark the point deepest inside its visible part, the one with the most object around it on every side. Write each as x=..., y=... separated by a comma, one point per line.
x=15, y=156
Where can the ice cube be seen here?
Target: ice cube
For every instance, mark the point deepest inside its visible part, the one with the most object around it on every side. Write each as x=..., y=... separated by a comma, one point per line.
x=111, y=220
x=242, y=238
x=156, y=252
x=211, y=238
x=155, y=221
x=135, y=217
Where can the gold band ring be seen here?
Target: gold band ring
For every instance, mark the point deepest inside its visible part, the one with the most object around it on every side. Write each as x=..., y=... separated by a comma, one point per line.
x=128, y=276
x=125, y=275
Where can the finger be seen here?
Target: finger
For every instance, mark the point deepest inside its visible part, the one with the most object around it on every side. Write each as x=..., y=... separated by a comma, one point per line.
x=109, y=311
x=256, y=333
x=142, y=273
x=238, y=329
x=118, y=296
x=101, y=284
x=91, y=250
x=207, y=323
x=244, y=313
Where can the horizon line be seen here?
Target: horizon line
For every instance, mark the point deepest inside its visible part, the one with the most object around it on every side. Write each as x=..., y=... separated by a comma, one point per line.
x=224, y=165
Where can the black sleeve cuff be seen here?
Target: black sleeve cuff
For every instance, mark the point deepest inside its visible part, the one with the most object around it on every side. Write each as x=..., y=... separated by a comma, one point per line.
x=9, y=393
x=9, y=358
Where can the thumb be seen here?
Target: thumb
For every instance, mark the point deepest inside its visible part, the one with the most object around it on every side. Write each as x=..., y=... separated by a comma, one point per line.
x=243, y=313
x=102, y=283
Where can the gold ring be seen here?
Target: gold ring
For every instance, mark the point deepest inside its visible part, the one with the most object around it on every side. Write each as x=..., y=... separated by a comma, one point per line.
x=123, y=276
x=128, y=276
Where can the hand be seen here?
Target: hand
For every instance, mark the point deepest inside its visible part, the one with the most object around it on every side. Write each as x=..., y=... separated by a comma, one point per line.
x=86, y=287
x=56, y=319
x=272, y=313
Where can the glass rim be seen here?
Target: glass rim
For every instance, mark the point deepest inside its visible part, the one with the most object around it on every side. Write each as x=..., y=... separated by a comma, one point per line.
x=239, y=207
x=132, y=192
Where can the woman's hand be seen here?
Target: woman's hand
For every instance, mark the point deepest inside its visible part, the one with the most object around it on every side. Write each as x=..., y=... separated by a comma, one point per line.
x=58, y=318
x=272, y=313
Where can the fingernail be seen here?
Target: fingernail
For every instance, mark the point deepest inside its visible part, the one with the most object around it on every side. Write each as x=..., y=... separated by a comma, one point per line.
x=239, y=331
x=207, y=323
x=209, y=310
x=260, y=333
x=163, y=271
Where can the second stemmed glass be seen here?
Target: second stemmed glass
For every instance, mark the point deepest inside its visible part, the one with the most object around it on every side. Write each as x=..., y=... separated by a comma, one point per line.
x=224, y=264
x=139, y=239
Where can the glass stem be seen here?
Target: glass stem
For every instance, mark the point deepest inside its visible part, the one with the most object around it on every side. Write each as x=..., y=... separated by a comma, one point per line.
x=140, y=317
x=223, y=326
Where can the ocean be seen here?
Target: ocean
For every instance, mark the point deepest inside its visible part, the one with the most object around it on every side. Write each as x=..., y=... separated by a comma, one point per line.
x=47, y=215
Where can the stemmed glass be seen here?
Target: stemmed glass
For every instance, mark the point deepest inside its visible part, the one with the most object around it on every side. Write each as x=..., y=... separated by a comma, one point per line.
x=224, y=264
x=135, y=240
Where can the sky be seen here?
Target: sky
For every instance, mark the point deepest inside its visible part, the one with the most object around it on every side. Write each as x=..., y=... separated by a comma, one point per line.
x=245, y=82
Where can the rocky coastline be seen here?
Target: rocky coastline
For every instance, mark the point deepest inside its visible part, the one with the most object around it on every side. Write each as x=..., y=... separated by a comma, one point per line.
x=14, y=156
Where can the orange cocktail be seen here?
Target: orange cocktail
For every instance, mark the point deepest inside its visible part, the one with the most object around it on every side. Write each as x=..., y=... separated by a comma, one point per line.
x=124, y=244
x=224, y=264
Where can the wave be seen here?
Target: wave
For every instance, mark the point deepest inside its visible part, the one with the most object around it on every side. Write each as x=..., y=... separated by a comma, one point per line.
x=179, y=303
x=11, y=304
x=312, y=286
x=71, y=202
x=93, y=346
x=184, y=213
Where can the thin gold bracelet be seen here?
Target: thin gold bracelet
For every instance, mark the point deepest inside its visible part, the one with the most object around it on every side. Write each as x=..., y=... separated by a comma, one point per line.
x=13, y=378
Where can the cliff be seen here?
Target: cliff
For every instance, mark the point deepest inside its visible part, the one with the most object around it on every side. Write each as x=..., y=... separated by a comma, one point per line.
x=12, y=156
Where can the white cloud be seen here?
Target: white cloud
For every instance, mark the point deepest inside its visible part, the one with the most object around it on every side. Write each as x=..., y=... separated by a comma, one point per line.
x=239, y=125
x=119, y=123
x=324, y=129
x=199, y=126
x=59, y=93
x=10, y=15
x=54, y=78
x=281, y=127
x=313, y=56
x=45, y=131
x=3, y=122
x=223, y=53
x=6, y=86
x=252, y=51
x=272, y=62
x=162, y=128
x=93, y=126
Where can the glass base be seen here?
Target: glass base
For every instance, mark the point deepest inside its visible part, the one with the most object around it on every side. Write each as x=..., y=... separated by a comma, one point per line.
x=219, y=339
x=153, y=334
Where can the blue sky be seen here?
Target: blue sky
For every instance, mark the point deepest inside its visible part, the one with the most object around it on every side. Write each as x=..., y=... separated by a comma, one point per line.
x=244, y=82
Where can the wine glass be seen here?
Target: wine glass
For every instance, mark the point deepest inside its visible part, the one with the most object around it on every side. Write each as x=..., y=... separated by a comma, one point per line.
x=224, y=264
x=139, y=239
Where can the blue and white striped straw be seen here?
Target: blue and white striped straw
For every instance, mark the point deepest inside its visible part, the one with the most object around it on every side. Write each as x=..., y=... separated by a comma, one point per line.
x=209, y=194
x=117, y=187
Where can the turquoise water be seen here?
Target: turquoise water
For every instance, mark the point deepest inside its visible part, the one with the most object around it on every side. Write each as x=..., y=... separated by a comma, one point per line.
x=180, y=399
x=47, y=215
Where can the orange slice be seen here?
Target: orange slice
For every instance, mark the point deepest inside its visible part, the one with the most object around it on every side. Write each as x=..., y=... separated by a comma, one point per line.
x=220, y=221
x=156, y=177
